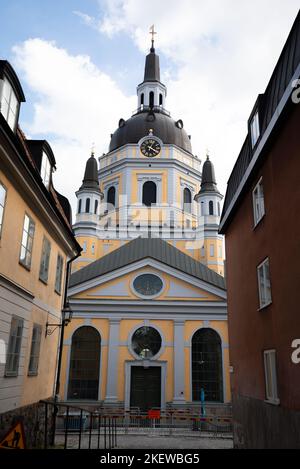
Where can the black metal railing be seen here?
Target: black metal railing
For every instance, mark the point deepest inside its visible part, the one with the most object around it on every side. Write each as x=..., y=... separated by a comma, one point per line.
x=72, y=427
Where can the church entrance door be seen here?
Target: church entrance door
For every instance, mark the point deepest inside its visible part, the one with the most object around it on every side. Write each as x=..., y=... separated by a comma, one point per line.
x=145, y=387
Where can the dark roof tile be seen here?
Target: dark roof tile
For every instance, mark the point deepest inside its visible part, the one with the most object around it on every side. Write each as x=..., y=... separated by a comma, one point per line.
x=141, y=248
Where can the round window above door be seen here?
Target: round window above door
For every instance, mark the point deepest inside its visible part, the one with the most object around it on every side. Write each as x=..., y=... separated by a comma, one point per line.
x=147, y=285
x=146, y=342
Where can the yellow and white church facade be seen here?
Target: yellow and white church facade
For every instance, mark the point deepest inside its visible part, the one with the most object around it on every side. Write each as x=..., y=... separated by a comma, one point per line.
x=148, y=295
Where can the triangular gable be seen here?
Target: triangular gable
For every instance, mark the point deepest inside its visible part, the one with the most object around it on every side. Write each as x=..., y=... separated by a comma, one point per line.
x=118, y=285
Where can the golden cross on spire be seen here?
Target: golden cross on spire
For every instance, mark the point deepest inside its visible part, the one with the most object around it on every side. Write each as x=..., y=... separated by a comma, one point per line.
x=152, y=32
x=93, y=149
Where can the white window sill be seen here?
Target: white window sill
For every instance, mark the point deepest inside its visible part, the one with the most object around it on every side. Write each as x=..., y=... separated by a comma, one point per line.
x=261, y=308
x=256, y=223
x=272, y=401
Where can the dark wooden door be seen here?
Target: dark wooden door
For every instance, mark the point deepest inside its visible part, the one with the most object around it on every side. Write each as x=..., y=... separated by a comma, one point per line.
x=145, y=389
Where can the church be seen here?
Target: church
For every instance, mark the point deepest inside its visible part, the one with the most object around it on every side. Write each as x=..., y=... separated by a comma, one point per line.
x=148, y=294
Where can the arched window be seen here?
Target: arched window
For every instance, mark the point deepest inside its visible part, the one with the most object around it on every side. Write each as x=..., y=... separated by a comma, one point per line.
x=219, y=209
x=79, y=206
x=142, y=99
x=211, y=207
x=207, y=365
x=111, y=196
x=149, y=193
x=187, y=200
x=96, y=206
x=87, y=205
x=202, y=209
x=84, y=364
x=151, y=99
x=160, y=99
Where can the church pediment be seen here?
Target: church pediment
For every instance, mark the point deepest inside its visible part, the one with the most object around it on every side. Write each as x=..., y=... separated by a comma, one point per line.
x=120, y=285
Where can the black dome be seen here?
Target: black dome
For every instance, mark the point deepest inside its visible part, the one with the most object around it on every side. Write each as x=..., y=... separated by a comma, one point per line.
x=208, y=182
x=138, y=126
x=90, y=180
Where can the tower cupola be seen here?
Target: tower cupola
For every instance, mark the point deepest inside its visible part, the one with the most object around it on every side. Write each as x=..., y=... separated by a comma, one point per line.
x=208, y=182
x=209, y=197
x=151, y=92
x=89, y=195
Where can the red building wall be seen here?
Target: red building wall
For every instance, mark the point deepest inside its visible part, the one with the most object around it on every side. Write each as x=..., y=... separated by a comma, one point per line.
x=277, y=236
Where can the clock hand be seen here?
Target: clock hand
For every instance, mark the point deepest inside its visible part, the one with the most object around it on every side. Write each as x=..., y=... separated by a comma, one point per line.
x=151, y=148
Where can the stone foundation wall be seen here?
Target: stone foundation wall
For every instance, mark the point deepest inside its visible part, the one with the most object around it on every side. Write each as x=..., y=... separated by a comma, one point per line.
x=258, y=424
x=33, y=418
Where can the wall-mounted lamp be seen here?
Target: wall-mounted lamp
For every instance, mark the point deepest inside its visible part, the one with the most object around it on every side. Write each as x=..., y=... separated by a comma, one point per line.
x=67, y=315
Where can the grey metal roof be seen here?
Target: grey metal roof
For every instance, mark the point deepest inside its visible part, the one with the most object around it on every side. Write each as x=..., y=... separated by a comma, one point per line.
x=138, y=126
x=266, y=105
x=141, y=248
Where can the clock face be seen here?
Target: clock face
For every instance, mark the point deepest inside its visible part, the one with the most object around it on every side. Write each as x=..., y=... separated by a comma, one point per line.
x=150, y=147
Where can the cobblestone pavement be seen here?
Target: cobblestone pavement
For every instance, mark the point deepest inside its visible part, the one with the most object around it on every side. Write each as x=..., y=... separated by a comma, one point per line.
x=153, y=441
x=172, y=442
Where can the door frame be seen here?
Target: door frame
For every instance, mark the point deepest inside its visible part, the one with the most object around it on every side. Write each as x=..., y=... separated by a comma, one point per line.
x=145, y=364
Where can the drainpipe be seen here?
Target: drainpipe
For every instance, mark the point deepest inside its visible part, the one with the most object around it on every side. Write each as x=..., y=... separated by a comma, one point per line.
x=61, y=343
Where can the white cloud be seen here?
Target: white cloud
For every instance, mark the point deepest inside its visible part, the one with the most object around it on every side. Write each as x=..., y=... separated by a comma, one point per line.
x=225, y=51
x=76, y=105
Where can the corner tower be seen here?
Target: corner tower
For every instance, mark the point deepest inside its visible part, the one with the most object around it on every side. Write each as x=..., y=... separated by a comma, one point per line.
x=89, y=199
x=211, y=249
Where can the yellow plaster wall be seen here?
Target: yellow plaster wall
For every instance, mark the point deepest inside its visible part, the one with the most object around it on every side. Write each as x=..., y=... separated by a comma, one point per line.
x=41, y=386
x=134, y=184
x=167, y=329
x=10, y=246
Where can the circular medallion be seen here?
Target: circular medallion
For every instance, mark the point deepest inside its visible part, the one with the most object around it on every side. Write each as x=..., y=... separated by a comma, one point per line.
x=146, y=342
x=148, y=285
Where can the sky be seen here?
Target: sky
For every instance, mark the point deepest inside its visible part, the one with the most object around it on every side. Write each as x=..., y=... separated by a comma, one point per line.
x=79, y=62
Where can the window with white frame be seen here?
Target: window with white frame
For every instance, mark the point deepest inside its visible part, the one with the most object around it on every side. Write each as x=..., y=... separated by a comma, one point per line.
x=220, y=251
x=264, y=283
x=258, y=202
x=211, y=250
x=35, y=350
x=9, y=105
x=254, y=128
x=14, y=346
x=271, y=376
x=2, y=205
x=59, y=272
x=45, y=260
x=46, y=170
x=27, y=241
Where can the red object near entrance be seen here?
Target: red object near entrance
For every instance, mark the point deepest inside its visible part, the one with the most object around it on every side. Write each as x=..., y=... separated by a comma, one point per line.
x=154, y=414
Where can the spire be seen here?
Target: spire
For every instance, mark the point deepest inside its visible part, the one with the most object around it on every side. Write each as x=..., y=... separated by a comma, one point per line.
x=208, y=183
x=90, y=180
x=152, y=69
x=152, y=32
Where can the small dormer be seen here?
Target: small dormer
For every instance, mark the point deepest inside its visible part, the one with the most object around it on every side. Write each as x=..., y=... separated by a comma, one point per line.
x=255, y=121
x=44, y=159
x=11, y=94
